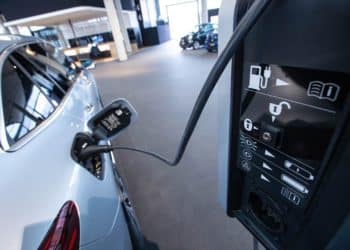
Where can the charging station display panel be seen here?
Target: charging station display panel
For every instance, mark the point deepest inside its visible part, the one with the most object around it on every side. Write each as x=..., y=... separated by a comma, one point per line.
x=288, y=118
x=290, y=85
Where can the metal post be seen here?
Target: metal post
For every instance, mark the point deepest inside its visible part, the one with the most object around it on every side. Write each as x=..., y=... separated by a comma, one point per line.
x=73, y=31
x=3, y=29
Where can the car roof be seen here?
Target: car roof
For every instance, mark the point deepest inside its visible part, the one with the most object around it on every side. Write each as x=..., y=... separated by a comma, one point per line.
x=7, y=41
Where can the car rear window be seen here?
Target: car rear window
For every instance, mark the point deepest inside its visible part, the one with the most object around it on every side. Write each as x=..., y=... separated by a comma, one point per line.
x=25, y=104
x=34, y=80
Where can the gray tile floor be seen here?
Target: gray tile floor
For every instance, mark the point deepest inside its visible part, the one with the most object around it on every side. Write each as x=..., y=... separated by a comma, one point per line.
x=177, y=207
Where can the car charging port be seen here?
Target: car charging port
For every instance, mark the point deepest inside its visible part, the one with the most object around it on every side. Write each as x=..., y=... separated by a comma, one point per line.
x=93, y=163
x=266, y=211
x=94, y=166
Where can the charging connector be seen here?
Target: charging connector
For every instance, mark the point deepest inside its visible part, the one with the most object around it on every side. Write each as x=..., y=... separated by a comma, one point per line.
x=242, y=29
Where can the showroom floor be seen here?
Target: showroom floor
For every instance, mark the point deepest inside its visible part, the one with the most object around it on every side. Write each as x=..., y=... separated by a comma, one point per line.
x=177, y=207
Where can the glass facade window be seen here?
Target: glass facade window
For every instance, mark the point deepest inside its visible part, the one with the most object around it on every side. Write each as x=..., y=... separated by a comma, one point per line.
x=213, y=4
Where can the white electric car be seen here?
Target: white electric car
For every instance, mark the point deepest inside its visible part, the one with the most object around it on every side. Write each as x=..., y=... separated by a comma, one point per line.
x=48, y=201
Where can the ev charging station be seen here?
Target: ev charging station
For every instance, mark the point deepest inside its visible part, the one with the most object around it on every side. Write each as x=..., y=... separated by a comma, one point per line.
x=284, y=134
x=284, y=129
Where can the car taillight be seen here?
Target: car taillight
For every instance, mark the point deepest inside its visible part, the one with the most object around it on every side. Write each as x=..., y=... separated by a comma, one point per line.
x=64, y=232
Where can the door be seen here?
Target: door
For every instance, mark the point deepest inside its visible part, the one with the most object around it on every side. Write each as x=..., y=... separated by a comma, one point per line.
x=183, y=17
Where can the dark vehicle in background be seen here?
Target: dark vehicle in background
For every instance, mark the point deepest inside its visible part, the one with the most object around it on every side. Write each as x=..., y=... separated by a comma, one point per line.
x=85, y=63
x=197, y=38
x=212, y=41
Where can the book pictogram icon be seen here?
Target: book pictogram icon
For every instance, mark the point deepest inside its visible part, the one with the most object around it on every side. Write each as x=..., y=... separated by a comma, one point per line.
x=320, y=90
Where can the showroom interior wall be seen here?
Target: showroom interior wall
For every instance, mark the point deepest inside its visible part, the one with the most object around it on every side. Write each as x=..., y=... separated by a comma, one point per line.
x=98, y=25
x=66, y=28
x=130, y=24
x=84, y=28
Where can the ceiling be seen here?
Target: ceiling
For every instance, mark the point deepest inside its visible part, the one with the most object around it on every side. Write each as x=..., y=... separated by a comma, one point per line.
x=60, y=16
x=17, y=9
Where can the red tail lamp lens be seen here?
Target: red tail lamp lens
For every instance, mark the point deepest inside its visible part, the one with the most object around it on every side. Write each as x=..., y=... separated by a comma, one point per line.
x=64, y=232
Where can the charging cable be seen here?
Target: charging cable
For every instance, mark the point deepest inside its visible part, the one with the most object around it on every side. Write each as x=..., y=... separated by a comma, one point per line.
x=240, y=32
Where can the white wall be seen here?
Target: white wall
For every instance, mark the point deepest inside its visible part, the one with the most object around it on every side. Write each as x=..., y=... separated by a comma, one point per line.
x=95, y=26
x=85, y=28
x=130, y=19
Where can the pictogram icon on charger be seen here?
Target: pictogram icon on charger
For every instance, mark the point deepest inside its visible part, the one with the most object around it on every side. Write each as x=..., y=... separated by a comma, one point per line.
x=258, y=81
x=321, y=90
x=276, y=109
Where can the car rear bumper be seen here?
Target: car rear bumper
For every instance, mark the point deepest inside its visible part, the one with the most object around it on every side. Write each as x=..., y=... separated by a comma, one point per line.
x=212, y=46
x=117, y=239
x=119, y=235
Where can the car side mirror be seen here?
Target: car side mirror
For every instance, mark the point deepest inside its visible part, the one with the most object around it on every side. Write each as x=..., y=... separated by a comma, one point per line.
x=112, y=119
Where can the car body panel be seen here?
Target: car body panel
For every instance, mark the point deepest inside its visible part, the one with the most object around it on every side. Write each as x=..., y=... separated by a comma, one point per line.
x=39, y=176
x=7, y=41
x=118, y=239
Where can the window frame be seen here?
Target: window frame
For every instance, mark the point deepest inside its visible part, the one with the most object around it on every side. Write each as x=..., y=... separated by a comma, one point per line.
x=4, y=144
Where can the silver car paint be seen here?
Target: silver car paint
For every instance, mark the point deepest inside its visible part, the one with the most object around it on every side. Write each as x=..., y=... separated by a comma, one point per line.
x=39, y=177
